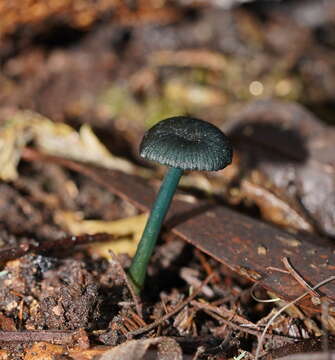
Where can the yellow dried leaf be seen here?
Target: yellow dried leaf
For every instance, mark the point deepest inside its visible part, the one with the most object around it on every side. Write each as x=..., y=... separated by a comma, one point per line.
x=43, y=350
x=13, y=137
x=193, y=94
x=54, y=139
x=128, y=231
x=61, y=140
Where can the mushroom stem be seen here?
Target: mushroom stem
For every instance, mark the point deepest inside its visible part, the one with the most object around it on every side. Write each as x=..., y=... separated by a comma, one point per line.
x=138, y=268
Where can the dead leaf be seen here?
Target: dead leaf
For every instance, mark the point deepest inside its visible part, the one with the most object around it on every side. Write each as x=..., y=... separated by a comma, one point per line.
x=43, y=350
x=88, y=354
x=278, y=209
x=128, y=231
x=193, y=94
x=168, y=349
x=4, y=355
x=12, y=140
x=310, y=356
x=6, y=323
x=22, y=127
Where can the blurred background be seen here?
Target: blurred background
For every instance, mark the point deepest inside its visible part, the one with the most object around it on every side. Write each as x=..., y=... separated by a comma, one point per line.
x=263, y=71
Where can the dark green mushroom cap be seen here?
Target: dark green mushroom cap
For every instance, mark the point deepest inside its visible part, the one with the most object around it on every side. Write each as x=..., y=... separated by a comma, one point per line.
x=187, y=143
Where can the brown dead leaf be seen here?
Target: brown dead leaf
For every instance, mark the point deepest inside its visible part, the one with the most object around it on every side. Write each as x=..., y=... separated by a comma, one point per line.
x=77, y=12
x=308, y=349
x=310, y=356
x=88, y=354
x=168, y=349
x=7, y=323
x=4, y=355
x=214, y=61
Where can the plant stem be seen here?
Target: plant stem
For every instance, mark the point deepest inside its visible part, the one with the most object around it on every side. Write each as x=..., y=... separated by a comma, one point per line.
x=138, y=268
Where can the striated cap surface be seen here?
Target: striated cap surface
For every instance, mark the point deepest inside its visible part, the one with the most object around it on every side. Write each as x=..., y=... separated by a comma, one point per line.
x=187, y=143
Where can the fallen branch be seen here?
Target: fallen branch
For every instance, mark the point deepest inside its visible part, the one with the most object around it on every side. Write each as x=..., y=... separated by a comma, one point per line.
x=52, y=336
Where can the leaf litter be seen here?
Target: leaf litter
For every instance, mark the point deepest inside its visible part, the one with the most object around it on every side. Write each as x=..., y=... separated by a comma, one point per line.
x=23, y=127
x=48, y=285
x=129, y=328
x=125, y=331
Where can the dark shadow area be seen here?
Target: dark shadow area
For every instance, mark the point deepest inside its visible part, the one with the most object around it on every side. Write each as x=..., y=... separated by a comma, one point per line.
x=325, y=35
x=48, y=36
x=212, y=344
x=108, y=305
x=265, y=8
x=269, y=141
x=119, y=41
x=167, y=278
x=58, y=35
x=323, y=110
x=116, y=141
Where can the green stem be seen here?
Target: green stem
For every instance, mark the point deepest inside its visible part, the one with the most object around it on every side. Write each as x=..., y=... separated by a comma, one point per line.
x=138, y=268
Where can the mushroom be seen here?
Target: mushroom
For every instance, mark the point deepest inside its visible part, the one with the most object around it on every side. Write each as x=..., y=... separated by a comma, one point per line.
x=182, y=143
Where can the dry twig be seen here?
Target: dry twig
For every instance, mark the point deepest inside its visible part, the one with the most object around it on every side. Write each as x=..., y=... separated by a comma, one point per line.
x=299, y=278
x=208, y=309
x=273, y=318
x=173, y=312
x=61, y=337
x=136, y=298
